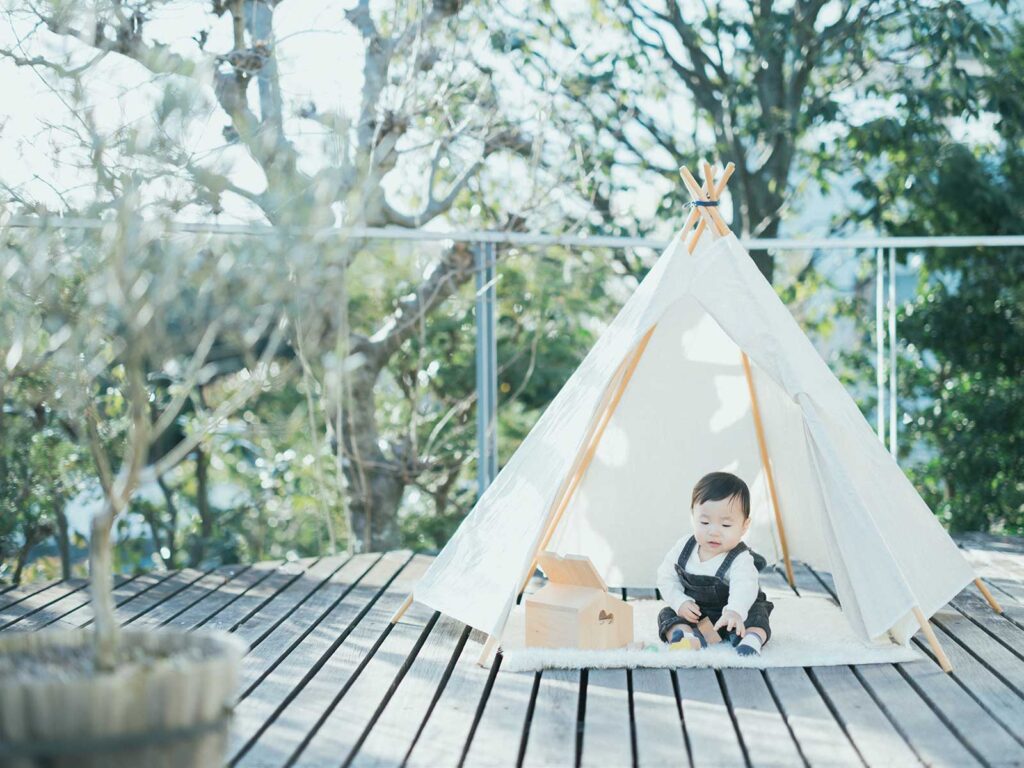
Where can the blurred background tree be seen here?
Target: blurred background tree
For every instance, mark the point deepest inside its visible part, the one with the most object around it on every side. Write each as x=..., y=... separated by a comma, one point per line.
x=962, y=335
x=770, y=86
x=536, y=117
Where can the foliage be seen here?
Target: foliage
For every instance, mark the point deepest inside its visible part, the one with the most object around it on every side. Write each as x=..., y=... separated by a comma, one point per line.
x=963, y=357
x=774, y=87
x=369, y=383
x=551, y=305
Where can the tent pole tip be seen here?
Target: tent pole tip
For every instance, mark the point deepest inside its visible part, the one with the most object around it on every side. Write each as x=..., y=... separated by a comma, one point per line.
x=933, y=641
x=402, y=609
x=487, y=654
x=983, y=588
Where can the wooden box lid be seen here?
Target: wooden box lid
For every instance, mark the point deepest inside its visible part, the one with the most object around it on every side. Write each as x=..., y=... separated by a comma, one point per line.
x=577, y=570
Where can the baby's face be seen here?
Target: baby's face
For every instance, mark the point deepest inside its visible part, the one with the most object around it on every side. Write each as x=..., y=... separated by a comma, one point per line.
x=719, y=525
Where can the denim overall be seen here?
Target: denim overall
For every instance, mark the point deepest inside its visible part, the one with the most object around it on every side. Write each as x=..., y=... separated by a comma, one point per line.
x=711, y=593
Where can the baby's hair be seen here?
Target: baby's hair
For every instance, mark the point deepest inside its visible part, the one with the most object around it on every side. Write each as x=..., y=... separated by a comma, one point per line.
x=721, y=485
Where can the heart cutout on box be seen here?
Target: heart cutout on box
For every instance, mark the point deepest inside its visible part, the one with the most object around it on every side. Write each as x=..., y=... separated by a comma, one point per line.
x=605, y=618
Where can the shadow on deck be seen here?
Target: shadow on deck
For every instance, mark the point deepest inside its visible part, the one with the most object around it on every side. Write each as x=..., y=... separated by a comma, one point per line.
x=328, y=681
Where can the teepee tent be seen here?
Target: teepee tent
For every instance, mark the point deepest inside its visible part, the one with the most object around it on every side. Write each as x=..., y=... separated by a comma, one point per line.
x=703, y=369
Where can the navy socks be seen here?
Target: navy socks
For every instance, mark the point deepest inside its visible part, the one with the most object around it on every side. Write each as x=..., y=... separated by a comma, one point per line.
x=749, y=645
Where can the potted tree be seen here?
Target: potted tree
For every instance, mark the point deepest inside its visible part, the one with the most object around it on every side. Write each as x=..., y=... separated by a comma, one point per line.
x=106, y=313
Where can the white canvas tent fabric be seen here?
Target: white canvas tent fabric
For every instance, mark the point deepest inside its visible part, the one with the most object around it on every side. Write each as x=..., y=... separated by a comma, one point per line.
x=846, y=506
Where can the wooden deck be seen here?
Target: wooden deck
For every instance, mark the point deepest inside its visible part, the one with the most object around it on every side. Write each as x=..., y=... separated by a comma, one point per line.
x=329, y=682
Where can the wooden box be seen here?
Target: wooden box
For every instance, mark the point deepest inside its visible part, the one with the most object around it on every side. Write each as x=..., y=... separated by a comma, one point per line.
x=574, y=610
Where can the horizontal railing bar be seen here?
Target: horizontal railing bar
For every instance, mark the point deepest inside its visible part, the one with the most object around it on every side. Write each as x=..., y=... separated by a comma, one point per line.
x=527, y=238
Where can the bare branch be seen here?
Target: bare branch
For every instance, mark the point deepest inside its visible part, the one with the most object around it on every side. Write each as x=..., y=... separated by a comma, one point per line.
x=170, y=413
x=454, y=269
x=260, y=376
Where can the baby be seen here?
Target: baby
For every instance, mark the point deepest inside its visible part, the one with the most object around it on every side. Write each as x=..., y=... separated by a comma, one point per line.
x=712, y=573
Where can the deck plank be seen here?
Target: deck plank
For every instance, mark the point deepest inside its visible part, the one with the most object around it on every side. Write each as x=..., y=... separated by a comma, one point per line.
x=821, y=738
x=395, y=730
x=876, y=739
x=70, y=603
x=81, y=614
x=551, y=739
x=257, y=714
x=954, y=700
x=930, y=737
x=288, y=633
x=36, y=602
x=988, y=648
x=258, y=596
x=272, y=614
x=607, y=736
x=367, y=685
x=764, y=729
x=963, y=714
x=286, y=734
x=659, y=738
x=230, y=591
x=714, y=738
x=446, y=732
x=17, y=592
x=194, y=594
x=131, y=610
x=1002, y=628
x=47, y=606
x=659, y=727
x=925, y=726
x=498, y=736
x=330, y=682
x=980, y=697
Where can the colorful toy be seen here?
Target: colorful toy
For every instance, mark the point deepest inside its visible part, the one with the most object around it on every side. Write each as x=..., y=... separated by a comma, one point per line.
x=707, y=629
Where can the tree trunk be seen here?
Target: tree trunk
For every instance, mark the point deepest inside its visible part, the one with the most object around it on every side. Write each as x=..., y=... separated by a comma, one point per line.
x=374, y=507
x=762, y=259
x=63, y=538
x=23, y=551
x=756, y=208
x=202, y=504
x=101, y=589
x=376, y=483
x=154, y=532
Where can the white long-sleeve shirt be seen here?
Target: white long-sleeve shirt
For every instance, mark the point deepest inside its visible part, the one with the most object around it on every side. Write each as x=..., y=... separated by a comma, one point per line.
x=741, y=576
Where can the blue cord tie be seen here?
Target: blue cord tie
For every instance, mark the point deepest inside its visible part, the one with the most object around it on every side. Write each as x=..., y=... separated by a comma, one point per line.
x=703, y=203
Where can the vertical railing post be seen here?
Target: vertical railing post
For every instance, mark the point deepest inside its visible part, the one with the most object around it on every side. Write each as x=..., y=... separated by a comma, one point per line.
x=893, y=403
x=484, y=256
x=880, y=343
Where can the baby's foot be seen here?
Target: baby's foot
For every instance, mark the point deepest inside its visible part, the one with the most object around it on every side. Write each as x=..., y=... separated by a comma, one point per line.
x=749, y=645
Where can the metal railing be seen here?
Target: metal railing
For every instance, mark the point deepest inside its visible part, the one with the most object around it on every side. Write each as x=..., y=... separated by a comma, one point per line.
x=484, y=242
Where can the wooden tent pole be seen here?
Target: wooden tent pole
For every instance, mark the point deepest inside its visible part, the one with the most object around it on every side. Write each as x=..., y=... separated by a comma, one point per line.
x=988, y=595
x=702, y=193
x=710, y=213
x=581, y=465
x=588, y=454
x=762, y=444
x=933, y=641
x=402, y=609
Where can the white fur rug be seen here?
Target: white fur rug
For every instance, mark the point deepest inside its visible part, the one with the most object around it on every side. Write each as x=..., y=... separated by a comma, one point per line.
x=807, y=631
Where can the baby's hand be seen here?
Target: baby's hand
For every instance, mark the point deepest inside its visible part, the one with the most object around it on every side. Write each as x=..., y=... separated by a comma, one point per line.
x=689, y=611
x=731, y=620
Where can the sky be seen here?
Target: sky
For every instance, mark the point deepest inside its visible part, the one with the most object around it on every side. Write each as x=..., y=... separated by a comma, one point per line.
x=315, y=45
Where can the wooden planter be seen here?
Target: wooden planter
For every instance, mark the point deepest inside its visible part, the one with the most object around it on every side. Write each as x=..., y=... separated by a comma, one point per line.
x=168, y=712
